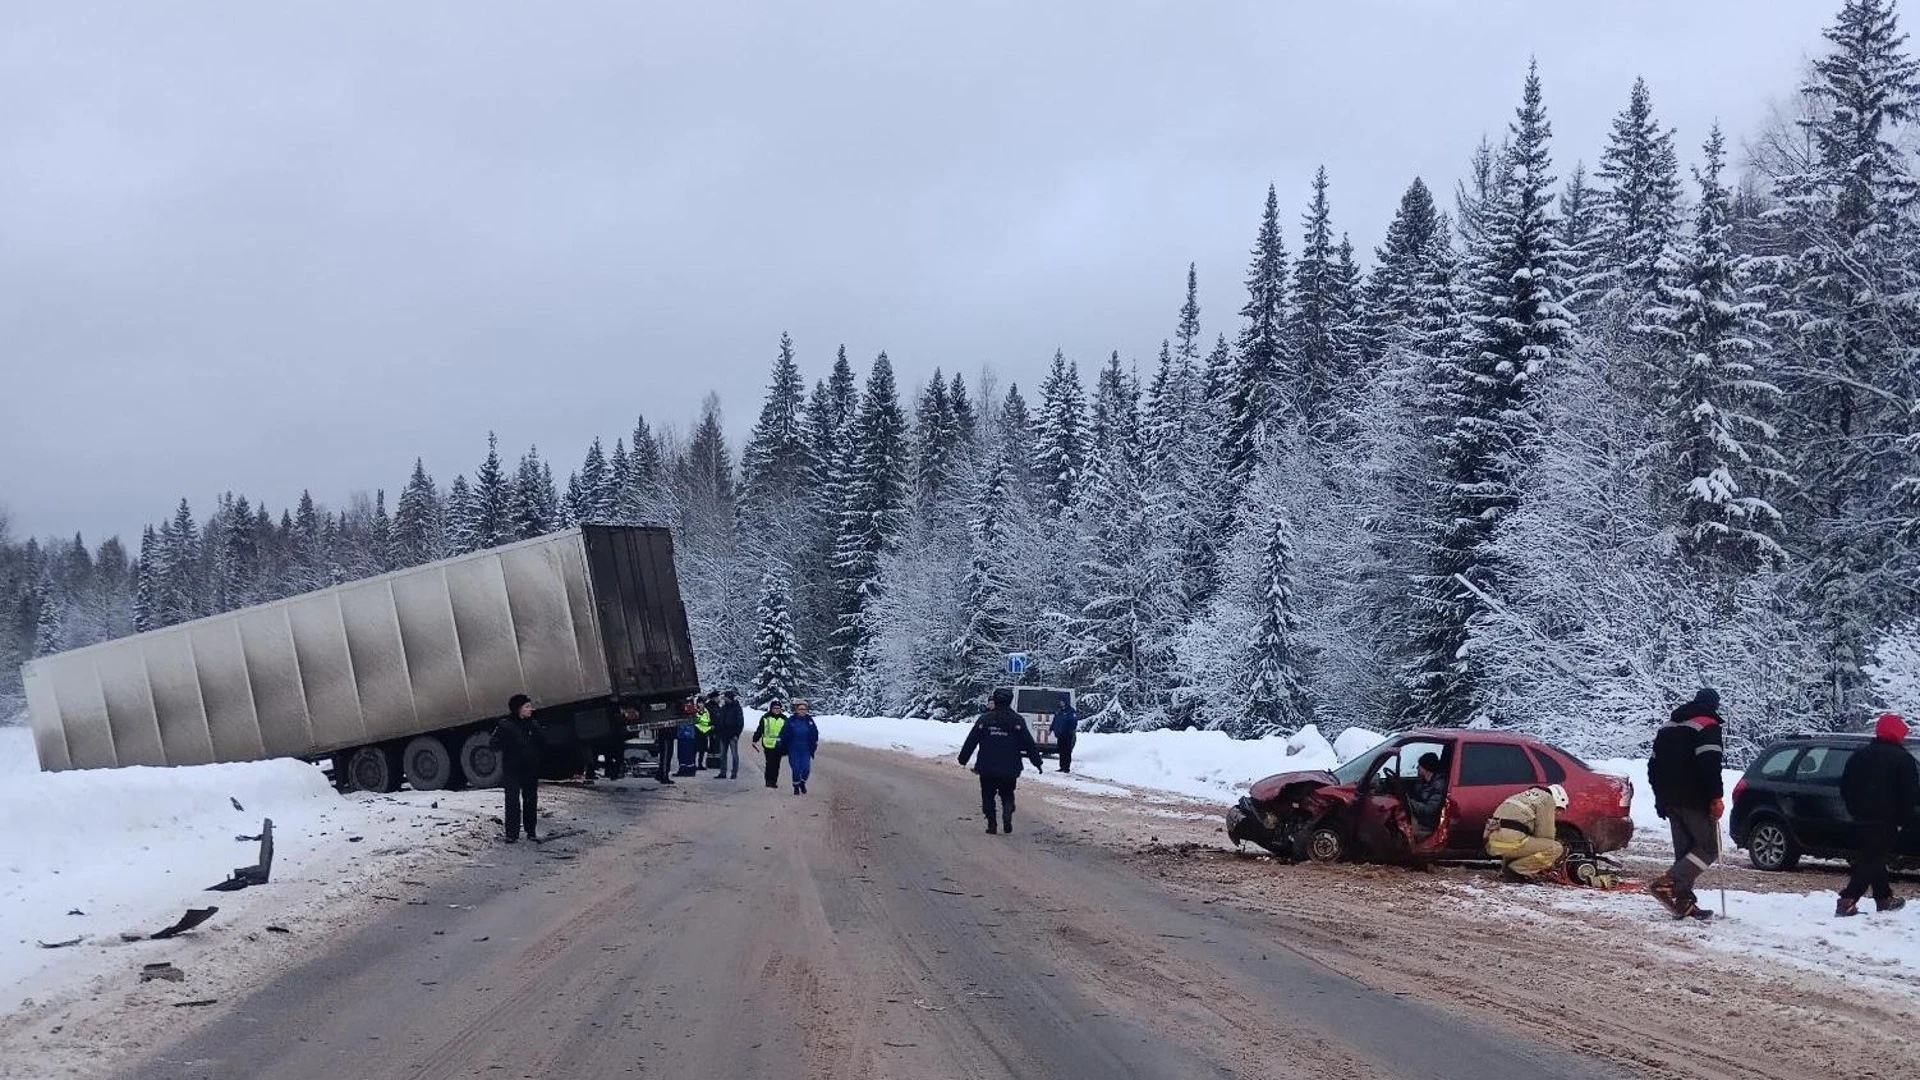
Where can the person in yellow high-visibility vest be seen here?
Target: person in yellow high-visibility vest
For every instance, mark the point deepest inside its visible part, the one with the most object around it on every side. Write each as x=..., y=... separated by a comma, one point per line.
x=703, y=730
x=766, y=739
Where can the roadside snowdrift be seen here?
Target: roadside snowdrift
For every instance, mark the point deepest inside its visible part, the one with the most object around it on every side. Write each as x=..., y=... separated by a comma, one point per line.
x=97, y=853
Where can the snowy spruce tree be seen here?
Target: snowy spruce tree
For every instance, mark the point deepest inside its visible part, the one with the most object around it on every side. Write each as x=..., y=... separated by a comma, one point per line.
x=873, y=511
x=1276, y=699
x=1060, y=452
x=418, y=531
x=774, y=680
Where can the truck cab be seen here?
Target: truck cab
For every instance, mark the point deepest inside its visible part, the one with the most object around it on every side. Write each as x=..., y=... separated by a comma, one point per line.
x=1036, y=705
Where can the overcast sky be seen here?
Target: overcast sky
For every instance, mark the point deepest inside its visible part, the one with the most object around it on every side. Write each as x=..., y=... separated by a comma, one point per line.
x=270, y=246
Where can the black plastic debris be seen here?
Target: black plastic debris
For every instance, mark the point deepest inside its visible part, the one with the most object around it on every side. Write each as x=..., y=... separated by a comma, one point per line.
x=258, y=873
x=76, y=911
x=196, y=1004
x=162, y=970
x=194, y=917
x=58, y=944
x=236, y=804
x=278, y=930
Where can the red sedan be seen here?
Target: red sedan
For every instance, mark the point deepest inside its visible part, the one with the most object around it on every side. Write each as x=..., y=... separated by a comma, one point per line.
x=1360, y=809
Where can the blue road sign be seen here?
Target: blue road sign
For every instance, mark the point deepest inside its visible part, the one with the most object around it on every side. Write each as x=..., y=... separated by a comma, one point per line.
x=1017, y=663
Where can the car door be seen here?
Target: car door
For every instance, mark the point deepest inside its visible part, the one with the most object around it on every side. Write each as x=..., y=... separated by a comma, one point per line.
x=1813, y=803
x=1486, y=773
x=1383, y=787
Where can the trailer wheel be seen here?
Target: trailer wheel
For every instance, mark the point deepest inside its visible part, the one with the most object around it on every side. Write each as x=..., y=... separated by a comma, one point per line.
x=429, y=764
x=480, y=761
x=374, y=768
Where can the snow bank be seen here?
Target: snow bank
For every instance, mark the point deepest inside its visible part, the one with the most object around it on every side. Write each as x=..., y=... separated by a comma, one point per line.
x=131, y=849
x=1356, y=741
x=1204, y=765
x=1646, y=823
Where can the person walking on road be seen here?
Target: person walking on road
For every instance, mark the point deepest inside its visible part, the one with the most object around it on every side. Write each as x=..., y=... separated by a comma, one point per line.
x=800, y=738
x=517, y=739
x=1066, y=731
x=1690, y=794
x=1879, y=785
x=728, y=724
x=766, y=739
x=1521, y=832
x=1002, y=738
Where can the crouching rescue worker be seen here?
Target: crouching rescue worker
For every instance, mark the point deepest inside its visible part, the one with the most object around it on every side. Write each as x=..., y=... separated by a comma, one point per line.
x=1521, y=832
x=1002, y=738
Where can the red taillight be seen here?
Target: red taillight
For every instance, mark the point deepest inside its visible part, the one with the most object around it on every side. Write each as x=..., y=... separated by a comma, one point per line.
x=1738, y=788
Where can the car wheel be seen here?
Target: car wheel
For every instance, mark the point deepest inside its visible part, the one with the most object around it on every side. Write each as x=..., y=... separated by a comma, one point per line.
x=1770, y=846
x=1326, y=844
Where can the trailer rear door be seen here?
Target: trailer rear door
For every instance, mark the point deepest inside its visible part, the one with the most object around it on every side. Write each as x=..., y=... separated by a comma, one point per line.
x=643, y=623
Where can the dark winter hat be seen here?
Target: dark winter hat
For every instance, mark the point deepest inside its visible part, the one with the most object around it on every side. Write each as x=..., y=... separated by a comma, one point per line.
x=1003, y=697
x=1707, y=697
x=1430, y=762
x=514, y=703
x=732, y=694
x=1890, y=728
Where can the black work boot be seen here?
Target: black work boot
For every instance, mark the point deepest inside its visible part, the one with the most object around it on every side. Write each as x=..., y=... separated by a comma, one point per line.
x=1846, y=906
x=991, y=827
x=1006, y=823
x=1891, y=903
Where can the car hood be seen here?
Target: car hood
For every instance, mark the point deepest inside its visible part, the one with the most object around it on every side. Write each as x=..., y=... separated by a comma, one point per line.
x=1273, y=786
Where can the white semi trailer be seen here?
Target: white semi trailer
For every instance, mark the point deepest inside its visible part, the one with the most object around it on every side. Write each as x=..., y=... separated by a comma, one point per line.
x=400, y=676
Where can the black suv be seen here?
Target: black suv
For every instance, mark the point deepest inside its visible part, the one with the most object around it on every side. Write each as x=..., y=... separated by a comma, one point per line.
x=1788, y=804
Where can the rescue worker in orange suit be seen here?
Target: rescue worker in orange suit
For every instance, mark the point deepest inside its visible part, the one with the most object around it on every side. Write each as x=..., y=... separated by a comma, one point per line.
x=1521, y=832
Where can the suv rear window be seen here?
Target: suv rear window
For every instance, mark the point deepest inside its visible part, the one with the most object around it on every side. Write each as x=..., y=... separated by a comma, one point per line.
x=1821, y=764
x=1774, y=765
x=1484, y=764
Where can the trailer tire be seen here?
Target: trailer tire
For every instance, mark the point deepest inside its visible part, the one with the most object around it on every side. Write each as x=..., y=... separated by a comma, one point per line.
x=480, y=761
x=429, y=764
x=374, y=768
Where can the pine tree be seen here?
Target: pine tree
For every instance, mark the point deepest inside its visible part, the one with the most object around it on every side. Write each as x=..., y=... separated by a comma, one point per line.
x=1847, y=220
x=1321, y=308
x=1398, y=262
x=873, y=515
x=1060, y=459
x=419, y=535
x=966, y=423
x=463, y=527
x=532, y=502
x=145, y=596
x=493, y=494
x=1259, y=394
x=1718, y=405
x=775, y=680
x=1518, y=330
x=1277, y=700
x=309, y=563
x=179, y=588
x=598, y=497
x=1188, y=332
x=936, y=443
x=379, y=539
x=777, y=464
x=1641, y=211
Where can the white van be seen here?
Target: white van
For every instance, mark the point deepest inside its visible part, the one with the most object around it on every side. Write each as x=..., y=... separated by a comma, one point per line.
x=1036, y=705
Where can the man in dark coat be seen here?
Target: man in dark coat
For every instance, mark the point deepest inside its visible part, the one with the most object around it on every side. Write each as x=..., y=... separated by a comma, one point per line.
x=729, y=723
x=1879, y=785
x=1689, y=792
x=1427, y=797
x=1002, y=738
x=1066, y=730
x=517, y=738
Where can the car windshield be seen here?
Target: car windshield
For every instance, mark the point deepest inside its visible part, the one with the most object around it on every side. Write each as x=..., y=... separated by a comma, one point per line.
x=1356, y=767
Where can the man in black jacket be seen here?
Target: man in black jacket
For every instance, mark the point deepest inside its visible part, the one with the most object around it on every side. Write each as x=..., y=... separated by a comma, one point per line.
x=1002, y=738
x=517, y=738
x=1427, y=797
x=729, y=723
x=1879, y=785
x=1690, y=794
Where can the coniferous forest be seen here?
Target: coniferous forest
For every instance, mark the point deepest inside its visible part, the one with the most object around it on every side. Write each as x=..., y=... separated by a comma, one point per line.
x=1574, y=441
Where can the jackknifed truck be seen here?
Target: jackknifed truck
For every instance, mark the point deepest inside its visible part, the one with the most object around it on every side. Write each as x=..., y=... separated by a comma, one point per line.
x=396, y=677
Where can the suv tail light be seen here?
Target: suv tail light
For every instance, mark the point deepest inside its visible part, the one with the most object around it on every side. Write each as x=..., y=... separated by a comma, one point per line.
x=1739, y=787
x=1626, y=792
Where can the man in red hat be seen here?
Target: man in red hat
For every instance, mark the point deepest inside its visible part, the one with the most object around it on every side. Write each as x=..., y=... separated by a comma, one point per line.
x=1880, y=786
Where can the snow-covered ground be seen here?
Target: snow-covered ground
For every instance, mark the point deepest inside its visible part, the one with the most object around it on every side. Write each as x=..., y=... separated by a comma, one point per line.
x=95, y=854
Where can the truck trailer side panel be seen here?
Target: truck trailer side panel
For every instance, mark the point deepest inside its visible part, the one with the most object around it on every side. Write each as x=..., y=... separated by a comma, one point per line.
x=418, y=650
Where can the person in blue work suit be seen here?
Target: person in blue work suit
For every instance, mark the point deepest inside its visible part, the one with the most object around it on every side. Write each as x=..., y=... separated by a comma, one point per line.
x=687, y=735
x=1066, y=730
x=799, y=739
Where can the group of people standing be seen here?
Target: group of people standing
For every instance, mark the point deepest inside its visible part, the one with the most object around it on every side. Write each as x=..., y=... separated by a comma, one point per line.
x=709, y=738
